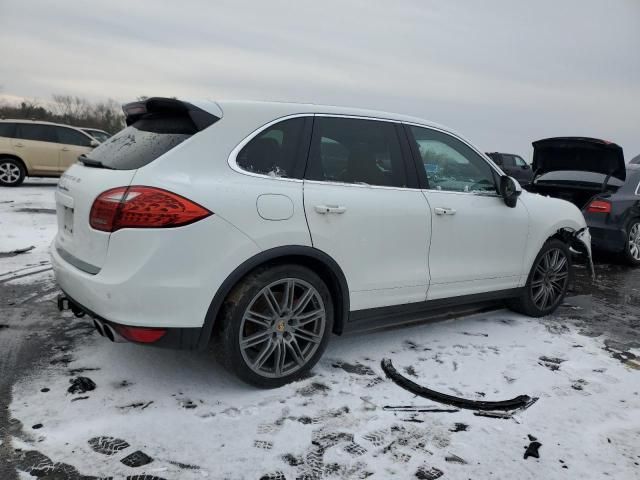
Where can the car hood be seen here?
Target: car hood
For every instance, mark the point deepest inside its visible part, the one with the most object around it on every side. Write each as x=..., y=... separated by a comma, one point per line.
x=578, y=154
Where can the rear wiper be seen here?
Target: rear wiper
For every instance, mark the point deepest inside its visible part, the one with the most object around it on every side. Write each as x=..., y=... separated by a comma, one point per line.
x=92, y=163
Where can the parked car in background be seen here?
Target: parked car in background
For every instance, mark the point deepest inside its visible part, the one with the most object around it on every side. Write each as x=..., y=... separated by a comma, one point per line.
x=513, y=165
x=269, y=226
x=99, y=135
x=635, y=160
x=39, y=149
x=592, y=174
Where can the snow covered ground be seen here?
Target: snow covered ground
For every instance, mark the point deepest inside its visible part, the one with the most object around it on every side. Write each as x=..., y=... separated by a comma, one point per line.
x=179, y=415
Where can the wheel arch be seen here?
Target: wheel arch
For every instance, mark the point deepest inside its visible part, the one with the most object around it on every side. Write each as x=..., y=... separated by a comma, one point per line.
x=318, y=261
x=17, y=158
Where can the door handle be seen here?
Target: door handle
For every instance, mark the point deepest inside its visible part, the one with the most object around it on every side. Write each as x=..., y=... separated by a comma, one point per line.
x=19, y=144
x=324, y=209
x=444, y=211
x=65, y=149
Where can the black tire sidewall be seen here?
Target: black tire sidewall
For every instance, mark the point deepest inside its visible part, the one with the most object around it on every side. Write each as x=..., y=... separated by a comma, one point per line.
x=238, y=301
x=18, y=164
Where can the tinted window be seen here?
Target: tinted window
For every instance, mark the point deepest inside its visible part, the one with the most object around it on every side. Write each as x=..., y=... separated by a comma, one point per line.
x=450, y=164
x=274, y=151
x=143, y=141
x=509, y=161
x=7, y=129
x=356, y=151
x=519, y=161
x=72, y=137
x=35, y=131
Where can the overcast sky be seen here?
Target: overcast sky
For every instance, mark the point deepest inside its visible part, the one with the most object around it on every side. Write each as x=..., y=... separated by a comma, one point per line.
x=502, y=73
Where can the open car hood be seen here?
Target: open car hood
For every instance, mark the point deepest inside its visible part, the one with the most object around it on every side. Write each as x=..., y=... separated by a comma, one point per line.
x=578, y=154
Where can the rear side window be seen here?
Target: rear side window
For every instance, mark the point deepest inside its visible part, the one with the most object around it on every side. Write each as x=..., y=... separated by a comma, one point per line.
x=349, y=150
x=37, y=132
x=142, y=142
x=72, y=137
x=7, y=129
x=519, y=161
x=274, y=151
x=509, y=160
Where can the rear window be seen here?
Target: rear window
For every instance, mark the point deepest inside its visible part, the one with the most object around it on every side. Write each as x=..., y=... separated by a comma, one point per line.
x=142, y=142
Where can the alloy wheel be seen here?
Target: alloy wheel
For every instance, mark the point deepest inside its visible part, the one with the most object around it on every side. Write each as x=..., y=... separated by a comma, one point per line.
x=9, y=172
x=634, y=241
x=282, y=328
x=550, y=278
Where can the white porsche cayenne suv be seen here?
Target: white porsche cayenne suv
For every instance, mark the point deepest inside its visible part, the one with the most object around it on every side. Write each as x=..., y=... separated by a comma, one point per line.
x=267, y=227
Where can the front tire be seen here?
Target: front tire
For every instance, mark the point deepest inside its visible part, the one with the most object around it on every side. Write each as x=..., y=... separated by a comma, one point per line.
x=547, y=283
x=631, y=252
x=275, y=325
x=12, y=172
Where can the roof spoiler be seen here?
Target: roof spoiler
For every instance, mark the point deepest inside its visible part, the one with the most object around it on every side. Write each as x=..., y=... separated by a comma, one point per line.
x=170, y=106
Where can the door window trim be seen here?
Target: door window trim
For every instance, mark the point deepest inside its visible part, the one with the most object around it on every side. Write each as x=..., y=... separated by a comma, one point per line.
x=422, y=177
x=306, y=133
x=410, y=174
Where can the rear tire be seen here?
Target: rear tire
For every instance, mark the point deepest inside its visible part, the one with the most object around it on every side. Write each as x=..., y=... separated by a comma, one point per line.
x=631, y=253
x=12, y=172
x=275, y=325
x=547, y=283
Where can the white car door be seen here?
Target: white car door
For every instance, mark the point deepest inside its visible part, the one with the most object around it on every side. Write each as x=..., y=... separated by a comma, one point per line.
x=361, y=212
x=477, y=242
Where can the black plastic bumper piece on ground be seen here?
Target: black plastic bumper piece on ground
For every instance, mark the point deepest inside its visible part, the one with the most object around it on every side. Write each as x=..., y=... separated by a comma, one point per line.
x=517, y=402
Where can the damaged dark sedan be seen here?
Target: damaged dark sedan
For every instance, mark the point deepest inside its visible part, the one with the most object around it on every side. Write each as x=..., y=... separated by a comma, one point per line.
x=592, y=174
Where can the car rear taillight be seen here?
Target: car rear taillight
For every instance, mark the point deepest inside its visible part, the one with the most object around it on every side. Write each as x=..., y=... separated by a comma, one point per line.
x=140, y=334
x=143, y=207
x=599, y=206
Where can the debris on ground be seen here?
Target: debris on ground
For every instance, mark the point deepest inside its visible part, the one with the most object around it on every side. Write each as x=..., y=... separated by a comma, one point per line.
x=452, y=458
x=37, y=426
x=411, y=408
x=533, y=450
x=81, y=385
x=459, y=427
x=398, y=379
x=552, y=363
x=17, y=251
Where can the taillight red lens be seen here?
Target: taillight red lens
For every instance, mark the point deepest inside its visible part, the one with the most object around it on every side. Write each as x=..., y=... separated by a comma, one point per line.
x=143, y=207
x=599, y=206
x=140, y=334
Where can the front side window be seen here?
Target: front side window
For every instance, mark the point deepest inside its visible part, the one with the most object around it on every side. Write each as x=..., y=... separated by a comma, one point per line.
x=274, y=151
x=349, y=150
x=35, y=131
x=451, y=165
x=72, y=137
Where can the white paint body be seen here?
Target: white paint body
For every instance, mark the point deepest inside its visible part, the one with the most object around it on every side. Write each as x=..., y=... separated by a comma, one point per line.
x=393, y=245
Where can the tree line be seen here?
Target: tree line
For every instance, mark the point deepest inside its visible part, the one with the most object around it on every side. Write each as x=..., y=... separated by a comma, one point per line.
x=71, y=110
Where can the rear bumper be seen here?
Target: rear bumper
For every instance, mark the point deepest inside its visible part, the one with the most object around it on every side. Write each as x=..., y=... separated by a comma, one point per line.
x=174, y=338
x=157, y=278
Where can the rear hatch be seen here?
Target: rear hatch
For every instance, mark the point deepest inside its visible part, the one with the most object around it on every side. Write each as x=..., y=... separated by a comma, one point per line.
x=577, y=168
x=154, y=127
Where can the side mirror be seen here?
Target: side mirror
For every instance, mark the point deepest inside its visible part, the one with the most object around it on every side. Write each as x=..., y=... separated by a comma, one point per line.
x=94, y=143
x=510, y=190
x=526, y=167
